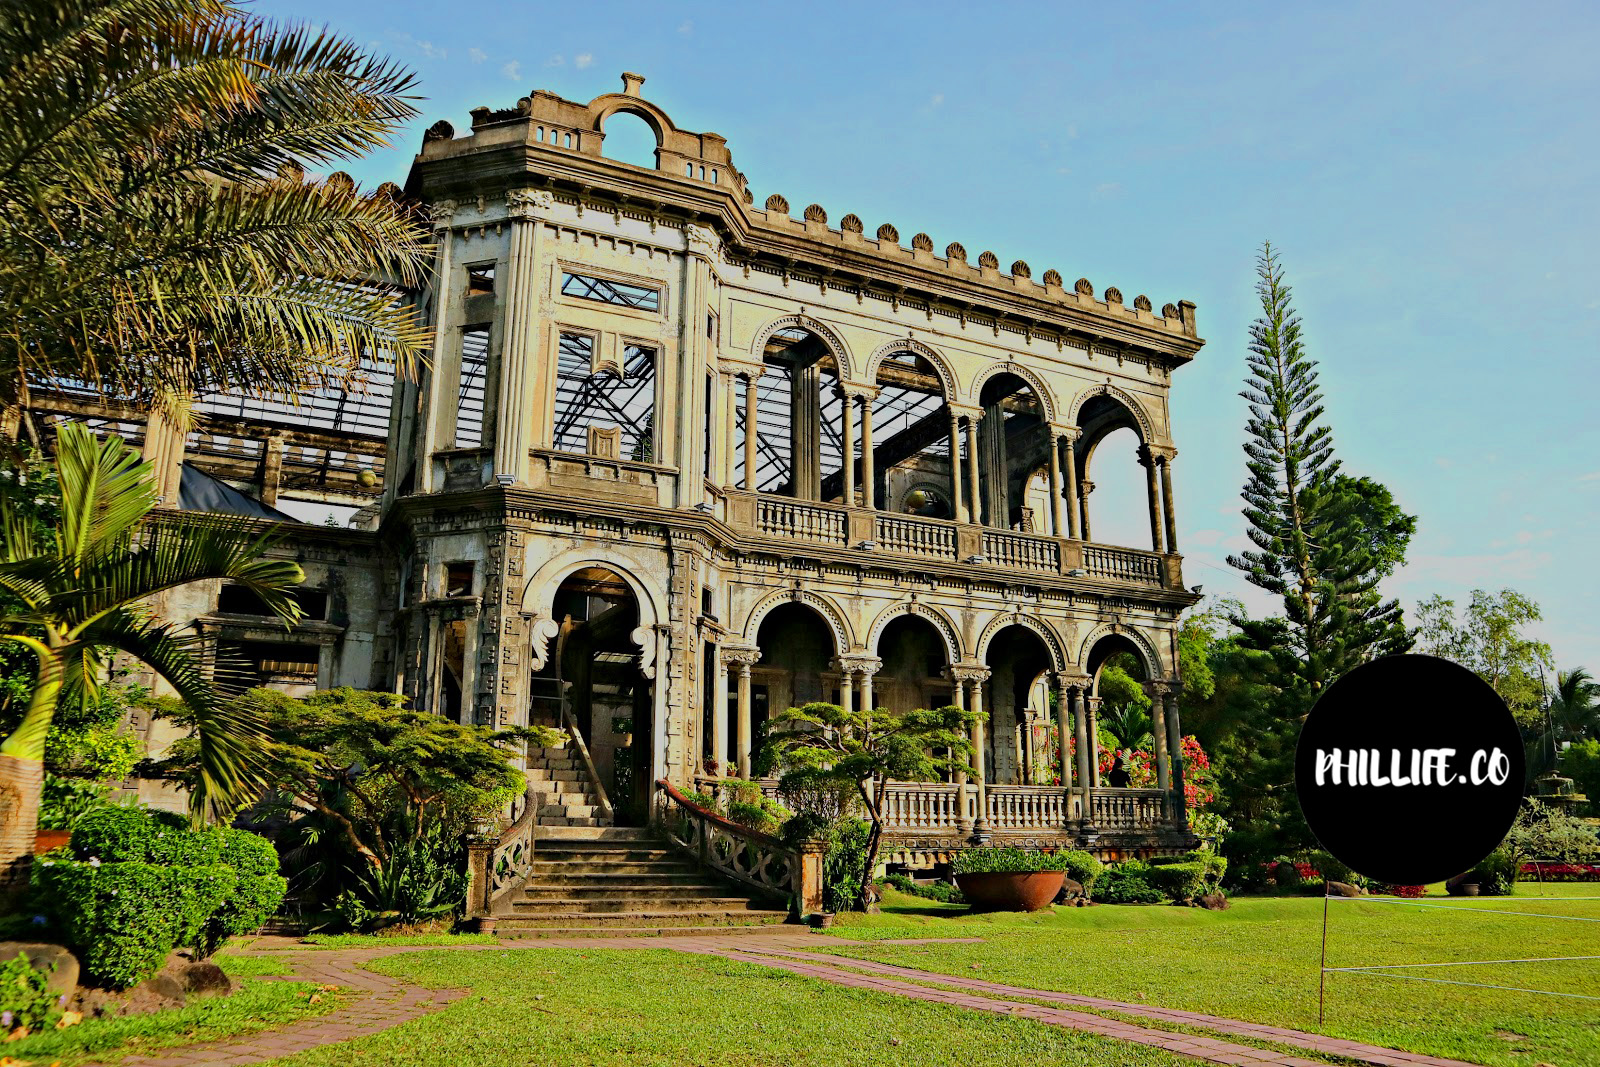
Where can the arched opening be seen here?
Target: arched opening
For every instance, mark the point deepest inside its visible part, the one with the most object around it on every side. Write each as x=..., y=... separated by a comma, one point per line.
x=629, y=139
x=1118, y=493
x=1021, y=740
x=799, y=420
x=1123, y=715
x=1013, y=442
x=913, y=671
x=796, y=665
x=594, y=669
x=910, y=440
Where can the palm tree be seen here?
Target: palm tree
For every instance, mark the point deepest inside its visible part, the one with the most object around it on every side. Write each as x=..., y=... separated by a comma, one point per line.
x=158, y=235
x=74, y=594
x=1574, y=712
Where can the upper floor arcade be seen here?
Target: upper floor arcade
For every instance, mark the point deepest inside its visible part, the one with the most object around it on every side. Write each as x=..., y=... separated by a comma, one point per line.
x=639, y=334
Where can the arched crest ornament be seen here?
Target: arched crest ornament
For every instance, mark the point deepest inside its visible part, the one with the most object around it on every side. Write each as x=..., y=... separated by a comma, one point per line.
x=1146, y=430
x=540, y=635
x=941, y=623
x=702, y=241
x=835, y=343
x=1147, y=651
x=947, y=377
x=1052, y=641
x=1046, y=399
x=827, y=609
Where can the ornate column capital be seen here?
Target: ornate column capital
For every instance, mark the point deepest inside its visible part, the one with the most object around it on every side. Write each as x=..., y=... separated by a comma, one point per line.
x=441, y=213
x=1159, y=687
x=528, y=203
x=701, y=241
x=967, y=672
x=745, y=655
x=1162, y=453
x=971, y=411
x=1073, y=680
x=742, y=368
x=1060, y=431
x=858, y=391
x=860, y=663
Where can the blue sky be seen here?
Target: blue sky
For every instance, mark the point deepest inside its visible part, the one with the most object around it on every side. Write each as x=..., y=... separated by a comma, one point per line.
x=1429, y=172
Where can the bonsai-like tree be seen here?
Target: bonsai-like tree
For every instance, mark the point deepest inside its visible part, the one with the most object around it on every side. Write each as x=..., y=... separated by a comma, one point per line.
x=867, y=750
x=73, y=593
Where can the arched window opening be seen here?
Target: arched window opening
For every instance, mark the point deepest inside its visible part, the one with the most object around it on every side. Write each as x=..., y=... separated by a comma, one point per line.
x=1125, y=720
x=796, y=665
x=1116, y=502
x=910, y=440
x=799, y=420
x=1013, y=442
x=914, y=659
x=629, y=139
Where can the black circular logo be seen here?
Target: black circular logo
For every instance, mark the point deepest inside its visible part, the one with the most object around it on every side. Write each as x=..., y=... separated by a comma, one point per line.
x=1409, y=769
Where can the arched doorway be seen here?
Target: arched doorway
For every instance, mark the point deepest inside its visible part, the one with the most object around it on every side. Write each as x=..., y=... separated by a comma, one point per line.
x=1023, y=743
x=796, y=665
x=1108, y=456
x=595, y=671
x=1124, y=714
x=797, y=438
x=913, y=672
x=910, y=466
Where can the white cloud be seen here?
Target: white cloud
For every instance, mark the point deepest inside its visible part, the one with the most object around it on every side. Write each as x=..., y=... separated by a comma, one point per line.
x=477, y=55
x=557, y=60
x=1592, y=476
x=686, y=27
x=936, y=99
x=512, y=70
x=583, y=60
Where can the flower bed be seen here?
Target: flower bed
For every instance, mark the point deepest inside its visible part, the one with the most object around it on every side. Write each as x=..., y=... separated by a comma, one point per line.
x=1562, y=872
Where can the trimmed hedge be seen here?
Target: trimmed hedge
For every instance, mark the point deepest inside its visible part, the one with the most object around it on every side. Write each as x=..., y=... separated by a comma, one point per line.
x=144, y=883
x=1193, y=874
x=1006, y=861
x=1127, y=882
x=1082, y=868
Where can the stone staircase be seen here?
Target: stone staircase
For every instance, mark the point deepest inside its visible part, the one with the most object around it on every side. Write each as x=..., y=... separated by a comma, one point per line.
x=615, y=881
x=566, y=795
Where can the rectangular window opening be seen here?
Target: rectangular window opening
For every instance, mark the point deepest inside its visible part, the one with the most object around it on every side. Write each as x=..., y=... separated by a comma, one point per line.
x=480, y=279
x=624, y=294
x=469, y=404
x=603, y=414
x=458, y=578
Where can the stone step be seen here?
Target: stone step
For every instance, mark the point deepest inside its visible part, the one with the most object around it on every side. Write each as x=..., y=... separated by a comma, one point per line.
x=555, y=796
x=540, y=774
x=555, y=765
x=666, y=896
x=564, y=871
x=549, y=752
x=656, y=905
x=568, y=822
x=709, y=917
x=569, y=811
x=598, y=837
x=521, y=929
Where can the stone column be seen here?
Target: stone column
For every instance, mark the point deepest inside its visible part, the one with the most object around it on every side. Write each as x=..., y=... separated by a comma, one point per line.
x=1085, y=487
x=963, y=822
x=868, y=669
x=730, y=404
x=1169, y=511
x=975, y=500
x=869, y=471
x=1029, y=756
x=446, y=321
x=957, y=497
x=1080, y=728
x=1056, y=522
x=164, y=445
x=1175, y=755
x=271, y=469
x=1092, y=708
x=1158, y=732
x=1153, y=492
x=849, y=406
x=519, y=350
x=1067, y=441
x=846, y=694
x=719, y=716
x=1064, y=731
x=752, y=388
x=981, y=823
x=742, y=728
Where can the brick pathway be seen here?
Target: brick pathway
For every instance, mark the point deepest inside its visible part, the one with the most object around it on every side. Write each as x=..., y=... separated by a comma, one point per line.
x=382, y=1002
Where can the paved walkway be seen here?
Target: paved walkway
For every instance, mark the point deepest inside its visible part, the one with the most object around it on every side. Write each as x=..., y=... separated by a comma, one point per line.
x=383, y=1002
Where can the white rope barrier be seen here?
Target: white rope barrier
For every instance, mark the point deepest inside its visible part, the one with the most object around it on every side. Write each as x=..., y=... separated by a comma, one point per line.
x=1486, y=911
x=1461, y=963
x=1477, y=985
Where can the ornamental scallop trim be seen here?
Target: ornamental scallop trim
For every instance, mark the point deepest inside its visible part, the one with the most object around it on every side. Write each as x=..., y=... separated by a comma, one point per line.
x=1020, y=269
x=1052, y=277
x=749, y=197
x=851, y=224
x=922, y=243
x=814, y=213
x=341, y=182
x=887, y=232
x=989, y=259
x=387, y=191
x=956, y=252
x=439, y=131
x=1113, y=295
x=776, y=202
x=1169, y=311
x=1142, y=302
x=1083, y=287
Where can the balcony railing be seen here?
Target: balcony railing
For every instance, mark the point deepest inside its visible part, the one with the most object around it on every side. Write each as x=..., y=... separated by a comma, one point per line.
x=1129, y=809
x=915, y=537
x=1026, y=551
x=804, y=521
x=1122, y=565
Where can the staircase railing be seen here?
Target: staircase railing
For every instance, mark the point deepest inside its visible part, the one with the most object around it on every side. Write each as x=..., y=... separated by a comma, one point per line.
x=749, y=857
x=497, y=867
x=603, y=802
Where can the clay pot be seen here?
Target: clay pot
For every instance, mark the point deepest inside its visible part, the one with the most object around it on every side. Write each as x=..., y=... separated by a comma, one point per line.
x=1469, y=889
x=1011, y=890
x=45, y=840
x=820, y=920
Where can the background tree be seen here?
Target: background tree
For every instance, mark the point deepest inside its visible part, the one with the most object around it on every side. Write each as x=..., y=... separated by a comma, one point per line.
x=821, y=743
x=77, y=594
x=158, y=236
x=1323, y=541
x=1488, y=638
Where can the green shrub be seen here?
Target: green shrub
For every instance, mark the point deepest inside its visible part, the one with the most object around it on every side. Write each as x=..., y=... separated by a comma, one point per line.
x=352, y=911
x=1286, y=874
x=257, y=893
x=842, y=863
x=419, y=882
x=25, y=997
x=943, y=892
x=63, y=802
x=140, y=835
x=1081, y=867
x=1497, y=873
x=121, y=919
x=1127, y=882
x=1179, y=881
x=1006, y=860
x=1334, y=871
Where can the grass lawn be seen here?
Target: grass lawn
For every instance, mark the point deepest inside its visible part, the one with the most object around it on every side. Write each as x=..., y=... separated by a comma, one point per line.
x=1259, y=961
x=256, y=1006
x=657, y=1006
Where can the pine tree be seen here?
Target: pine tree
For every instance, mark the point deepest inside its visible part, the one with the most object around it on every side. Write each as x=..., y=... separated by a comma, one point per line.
x=1323, y=539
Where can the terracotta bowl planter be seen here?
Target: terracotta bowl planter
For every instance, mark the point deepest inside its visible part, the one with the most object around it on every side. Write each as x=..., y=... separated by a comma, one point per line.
x=45, y=840
x=1011, y=890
